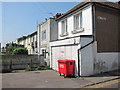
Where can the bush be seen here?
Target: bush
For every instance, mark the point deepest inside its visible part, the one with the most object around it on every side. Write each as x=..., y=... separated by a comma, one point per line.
x=30, y=69
x=38, y=68
x=20, y=51
x=14, y=71
x=42, y=68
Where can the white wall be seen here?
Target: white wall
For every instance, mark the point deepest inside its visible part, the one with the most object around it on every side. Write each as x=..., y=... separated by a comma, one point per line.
x=69, y=51
x=93, y=62
x=74, y=40
x=45, y=26
x=38, y=38
x=86, y=60
x=51, y=33
x=87, y=24
x=62, y=53
x=106, y=61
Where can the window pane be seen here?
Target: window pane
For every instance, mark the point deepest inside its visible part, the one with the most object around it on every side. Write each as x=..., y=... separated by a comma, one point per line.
x=43, y=34
x=81, y=20
x=78, y=21
x=64, y=26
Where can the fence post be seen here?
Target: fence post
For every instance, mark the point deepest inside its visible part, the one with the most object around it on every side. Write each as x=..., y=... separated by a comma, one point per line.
x=39, y=60
x=31, y=63
x=10, y=67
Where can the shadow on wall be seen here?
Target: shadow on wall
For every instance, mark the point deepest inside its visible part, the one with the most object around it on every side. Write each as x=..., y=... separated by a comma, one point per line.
x=75, y=69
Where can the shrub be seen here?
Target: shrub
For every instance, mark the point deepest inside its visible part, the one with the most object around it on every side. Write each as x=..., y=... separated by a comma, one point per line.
x=14, y=71
x=20, y=51
x=42, y=68
x=29, y=69
x=38, y=68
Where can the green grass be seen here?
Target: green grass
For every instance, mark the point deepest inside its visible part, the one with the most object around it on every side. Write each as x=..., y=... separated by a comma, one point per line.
x=2, y=54
x=30, y=69
x=38, y=68
x=14, y=71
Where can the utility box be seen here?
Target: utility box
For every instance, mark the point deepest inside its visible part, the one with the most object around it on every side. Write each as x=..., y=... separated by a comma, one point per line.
x=66, y=67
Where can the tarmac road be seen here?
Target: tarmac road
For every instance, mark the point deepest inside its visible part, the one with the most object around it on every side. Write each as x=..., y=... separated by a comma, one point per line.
x=51, y=79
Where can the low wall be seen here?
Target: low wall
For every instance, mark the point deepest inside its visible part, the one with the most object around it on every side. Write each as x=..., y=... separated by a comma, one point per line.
x=13, y=62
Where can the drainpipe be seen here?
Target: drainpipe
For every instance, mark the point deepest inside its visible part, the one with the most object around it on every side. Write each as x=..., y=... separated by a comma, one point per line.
x=78, y=62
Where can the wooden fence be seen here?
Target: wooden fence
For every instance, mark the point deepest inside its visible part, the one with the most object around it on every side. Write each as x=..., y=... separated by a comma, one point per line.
x=17, y=62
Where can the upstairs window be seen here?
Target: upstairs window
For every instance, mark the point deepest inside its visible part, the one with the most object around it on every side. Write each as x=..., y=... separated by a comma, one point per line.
x=44, y=35
x=78, y=21
x=64, y=27
x=35, y=44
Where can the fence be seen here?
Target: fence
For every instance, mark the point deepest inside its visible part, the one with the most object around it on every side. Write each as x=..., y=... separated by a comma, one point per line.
x=15, y=62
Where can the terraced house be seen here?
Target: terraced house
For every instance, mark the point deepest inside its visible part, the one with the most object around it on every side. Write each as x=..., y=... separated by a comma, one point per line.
x=88, y=34
x=47, y=31
x=29, y=42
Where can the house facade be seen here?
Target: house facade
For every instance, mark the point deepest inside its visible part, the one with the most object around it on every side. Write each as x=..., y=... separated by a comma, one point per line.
x=29, y=42
x=47, y=31
x=87, y=34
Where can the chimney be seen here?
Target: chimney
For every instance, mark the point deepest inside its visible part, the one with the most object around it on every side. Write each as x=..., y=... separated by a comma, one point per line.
x=118, y=2
x=57, y=15
x=45, y=19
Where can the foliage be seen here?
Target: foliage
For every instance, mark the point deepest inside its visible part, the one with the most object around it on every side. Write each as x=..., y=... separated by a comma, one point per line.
x=2, y=54
x=20, y=51
x=9, y=50
x=14, y=71
x=30, y=69
x=10, y=47
x=42, y=68
x=38, y=68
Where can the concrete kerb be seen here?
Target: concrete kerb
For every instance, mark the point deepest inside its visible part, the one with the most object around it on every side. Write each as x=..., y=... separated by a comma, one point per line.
x=99, y=82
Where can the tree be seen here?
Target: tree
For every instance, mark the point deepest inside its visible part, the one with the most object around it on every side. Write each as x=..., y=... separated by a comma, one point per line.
x=9, y=50
x=20, y=51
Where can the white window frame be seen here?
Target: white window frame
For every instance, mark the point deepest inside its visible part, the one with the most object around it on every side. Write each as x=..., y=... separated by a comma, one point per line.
x=78, y=23
x=64, y=31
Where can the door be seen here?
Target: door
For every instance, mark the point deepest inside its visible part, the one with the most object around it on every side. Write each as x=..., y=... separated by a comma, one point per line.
x=64, y=52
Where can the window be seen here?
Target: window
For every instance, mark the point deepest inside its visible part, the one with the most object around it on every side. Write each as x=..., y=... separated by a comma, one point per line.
x=64, y=27
x=35, y=44
x=78, y=21
x=44, y=53
x=43, y=34
x=32, y=45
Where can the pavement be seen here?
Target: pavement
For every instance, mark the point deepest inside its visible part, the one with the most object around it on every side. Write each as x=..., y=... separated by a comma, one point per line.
x=51, y=79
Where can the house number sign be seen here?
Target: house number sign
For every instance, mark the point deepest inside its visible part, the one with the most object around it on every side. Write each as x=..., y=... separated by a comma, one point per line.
x=101, y=18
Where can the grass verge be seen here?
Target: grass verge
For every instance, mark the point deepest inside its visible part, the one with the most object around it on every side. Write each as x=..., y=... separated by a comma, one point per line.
x=38, y=68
